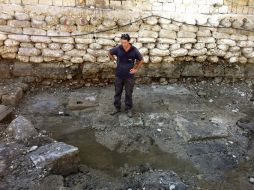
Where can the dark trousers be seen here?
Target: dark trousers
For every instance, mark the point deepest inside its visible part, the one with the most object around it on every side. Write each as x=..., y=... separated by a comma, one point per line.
x=128, y=83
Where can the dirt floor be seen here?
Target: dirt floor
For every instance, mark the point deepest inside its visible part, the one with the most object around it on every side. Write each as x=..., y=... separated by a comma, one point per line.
x=181, y=136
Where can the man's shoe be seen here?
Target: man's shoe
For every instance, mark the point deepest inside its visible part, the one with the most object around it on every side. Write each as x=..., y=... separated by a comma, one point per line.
x=129, y=113
x=115, y=111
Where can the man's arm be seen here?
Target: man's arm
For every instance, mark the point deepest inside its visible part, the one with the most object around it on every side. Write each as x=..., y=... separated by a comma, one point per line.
x=111, y=54
x=138, y=64
x=140, y=59
x=111, y=57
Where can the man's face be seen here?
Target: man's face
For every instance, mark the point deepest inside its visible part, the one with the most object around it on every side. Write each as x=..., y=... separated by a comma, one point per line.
x=125, y=43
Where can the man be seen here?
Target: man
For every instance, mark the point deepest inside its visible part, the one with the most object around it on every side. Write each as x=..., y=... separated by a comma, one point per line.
x=127, y=55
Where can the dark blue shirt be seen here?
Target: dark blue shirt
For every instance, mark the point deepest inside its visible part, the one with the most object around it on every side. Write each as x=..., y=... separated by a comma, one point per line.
x=125, y=60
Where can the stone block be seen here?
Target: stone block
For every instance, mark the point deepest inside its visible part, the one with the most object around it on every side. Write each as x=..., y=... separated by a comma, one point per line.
x=193, y=70
x=19, y=23
x=13, y=98
x=34, y=31
x=5, y=70
x=58, y=157
x=21, y=129
x=192, y=128
x=29, y=51
x=20, y=38
x=52, y=53
x=46, y=2
x=30, y=2
x=69, y=3
x=5, y=113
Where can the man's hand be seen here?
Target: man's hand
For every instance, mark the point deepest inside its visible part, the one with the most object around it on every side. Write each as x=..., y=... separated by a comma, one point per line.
x=133, y=71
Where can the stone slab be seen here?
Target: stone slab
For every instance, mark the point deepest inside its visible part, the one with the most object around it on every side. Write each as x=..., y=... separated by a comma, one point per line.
x=5, y=112
x=194, y=126
x=21, y=129
x=59, y=157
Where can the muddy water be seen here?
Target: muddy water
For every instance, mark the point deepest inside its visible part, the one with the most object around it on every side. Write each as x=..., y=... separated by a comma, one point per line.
x=97, y=156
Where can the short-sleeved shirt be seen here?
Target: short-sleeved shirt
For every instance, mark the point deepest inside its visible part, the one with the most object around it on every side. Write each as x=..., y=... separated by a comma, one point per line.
x=125, y=60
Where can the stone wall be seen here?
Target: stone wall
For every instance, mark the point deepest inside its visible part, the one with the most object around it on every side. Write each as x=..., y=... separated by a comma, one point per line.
x=216, y=45
x=173, y=6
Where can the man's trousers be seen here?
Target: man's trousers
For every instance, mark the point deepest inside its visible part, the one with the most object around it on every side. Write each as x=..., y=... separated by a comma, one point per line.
x=128, y=84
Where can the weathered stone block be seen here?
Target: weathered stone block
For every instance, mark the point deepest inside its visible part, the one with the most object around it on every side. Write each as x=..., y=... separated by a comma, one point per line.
x=197, y=52
x=76, y=60
x=204, y=33
x=5, y=113
x=3, y=36
x=226, y=42
x=21, y=16
x=235, y=71
x=186, y=40
x=30, y=2
x=206, y=39
x=5, y=49
x=19, y=23
x=167, y=34
x=45, y=2
x=20, y=38
x=67, y=47
x=214, y=70
x=159, y=52
x=106, y=42
x=193, y=70
x=179, y=52
x=34, y=31
x=146, y=40
x=54, y=46
x=97, y=53
x=29, y=51
x=5, y=70
x=36, y=59
x=249, y=71
x=10, y=29
x=90, y=70
x=75, y=53
x=64, y=40
x=148, y=34
x=89, y=58
x=60, y=158
x=10, y=42
x=52, y=53
x=21, y=129
x=84, y=40
x=194, y=129
x=41, y=39
x=186, y=34
x=22, y=69
x=5, y=16
x=171, y=70
x=13, y=98
x=23, y=58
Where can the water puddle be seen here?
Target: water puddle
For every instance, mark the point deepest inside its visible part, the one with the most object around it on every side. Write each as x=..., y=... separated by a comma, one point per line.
x=97, y=156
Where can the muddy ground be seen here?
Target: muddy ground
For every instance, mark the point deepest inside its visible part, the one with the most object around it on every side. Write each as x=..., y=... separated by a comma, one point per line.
x=182, y=136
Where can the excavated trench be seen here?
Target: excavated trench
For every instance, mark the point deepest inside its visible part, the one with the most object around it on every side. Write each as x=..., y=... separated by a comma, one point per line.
x=187, y=129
